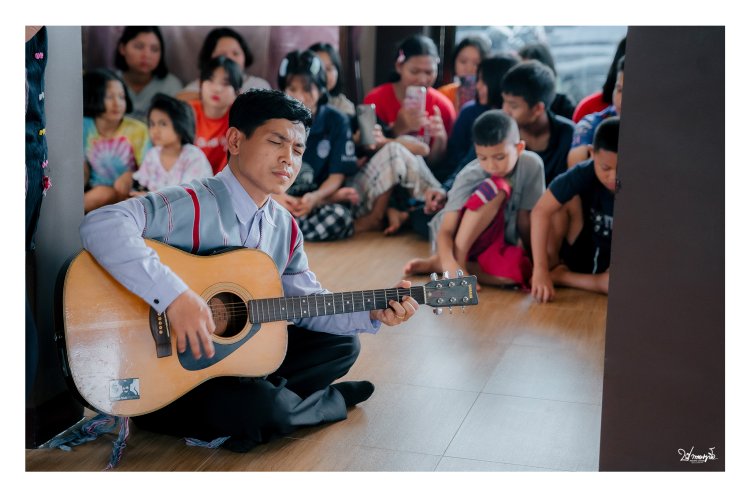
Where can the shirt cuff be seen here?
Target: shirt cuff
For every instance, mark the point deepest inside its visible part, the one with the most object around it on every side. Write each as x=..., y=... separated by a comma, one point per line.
x=369, y=325
x=164, y=292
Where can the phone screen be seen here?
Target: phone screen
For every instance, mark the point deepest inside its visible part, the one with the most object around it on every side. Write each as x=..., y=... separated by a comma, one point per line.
x=366, y=120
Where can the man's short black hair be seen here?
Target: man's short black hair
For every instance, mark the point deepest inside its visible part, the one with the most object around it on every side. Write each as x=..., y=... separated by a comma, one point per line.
x=607, y=134
x=182, y=116
x=233, y=70
x=95, y=88
x=254, y=107
x=531, y=80
x=494, y=127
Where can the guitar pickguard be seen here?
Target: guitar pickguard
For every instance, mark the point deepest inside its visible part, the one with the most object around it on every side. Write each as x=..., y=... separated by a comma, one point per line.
x=221, y=351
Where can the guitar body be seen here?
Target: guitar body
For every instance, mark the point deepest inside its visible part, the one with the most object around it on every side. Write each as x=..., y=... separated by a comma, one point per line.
x=111, y=334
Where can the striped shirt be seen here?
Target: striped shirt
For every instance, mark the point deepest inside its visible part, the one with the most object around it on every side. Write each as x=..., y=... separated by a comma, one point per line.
x=113, y=235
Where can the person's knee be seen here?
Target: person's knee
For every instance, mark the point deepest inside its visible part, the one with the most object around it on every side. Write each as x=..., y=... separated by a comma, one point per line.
x=350, y=349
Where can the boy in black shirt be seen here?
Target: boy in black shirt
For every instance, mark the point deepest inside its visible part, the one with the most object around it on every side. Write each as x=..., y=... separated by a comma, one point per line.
x=571, y=225
x=528, y=91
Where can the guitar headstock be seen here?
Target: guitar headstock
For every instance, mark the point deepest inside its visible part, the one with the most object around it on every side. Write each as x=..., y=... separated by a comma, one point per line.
x=447, y=292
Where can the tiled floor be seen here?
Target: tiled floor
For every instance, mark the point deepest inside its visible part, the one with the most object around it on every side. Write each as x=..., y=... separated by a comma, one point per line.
x=510, y=385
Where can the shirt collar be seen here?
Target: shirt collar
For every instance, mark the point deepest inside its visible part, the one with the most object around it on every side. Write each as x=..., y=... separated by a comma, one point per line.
x=244, y=205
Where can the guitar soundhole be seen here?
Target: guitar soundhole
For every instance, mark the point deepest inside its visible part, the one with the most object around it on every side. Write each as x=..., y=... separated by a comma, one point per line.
x=229, y=313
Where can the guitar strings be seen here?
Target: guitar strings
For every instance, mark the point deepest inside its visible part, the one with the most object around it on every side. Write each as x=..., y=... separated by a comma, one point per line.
x=241, y=308
x=310, y=297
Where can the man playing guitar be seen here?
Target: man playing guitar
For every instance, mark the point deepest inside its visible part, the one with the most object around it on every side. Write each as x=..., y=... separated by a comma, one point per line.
x=266, y=140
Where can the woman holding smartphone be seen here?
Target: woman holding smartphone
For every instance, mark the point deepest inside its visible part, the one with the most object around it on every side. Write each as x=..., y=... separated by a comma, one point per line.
x=467, y=56
x=416, y=66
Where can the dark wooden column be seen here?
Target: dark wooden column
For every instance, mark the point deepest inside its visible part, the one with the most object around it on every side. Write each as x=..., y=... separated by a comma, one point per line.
x=664, y=356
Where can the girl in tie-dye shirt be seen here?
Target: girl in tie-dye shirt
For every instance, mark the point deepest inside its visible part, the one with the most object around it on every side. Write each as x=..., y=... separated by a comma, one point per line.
x=113, y=145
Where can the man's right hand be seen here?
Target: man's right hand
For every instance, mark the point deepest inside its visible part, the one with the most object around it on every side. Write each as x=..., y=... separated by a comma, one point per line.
x=191, y=322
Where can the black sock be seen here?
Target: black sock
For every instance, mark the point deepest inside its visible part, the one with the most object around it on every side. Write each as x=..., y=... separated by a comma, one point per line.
x=354, y=392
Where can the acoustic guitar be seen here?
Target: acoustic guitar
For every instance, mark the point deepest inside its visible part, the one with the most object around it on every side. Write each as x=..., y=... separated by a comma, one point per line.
x=123, y=360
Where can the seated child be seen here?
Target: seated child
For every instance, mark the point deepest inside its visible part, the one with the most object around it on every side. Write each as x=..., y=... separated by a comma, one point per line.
x=571, y=225
x=174, y=159
x=584, y=132
x=528, y=92
x=113, y=144
x=229, y=43
x=334, y=77
x=488, y=208
x=221, y=79
x=329, y=154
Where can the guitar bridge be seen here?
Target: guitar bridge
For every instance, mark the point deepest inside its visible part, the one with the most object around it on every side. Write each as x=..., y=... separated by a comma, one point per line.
x=160, y=331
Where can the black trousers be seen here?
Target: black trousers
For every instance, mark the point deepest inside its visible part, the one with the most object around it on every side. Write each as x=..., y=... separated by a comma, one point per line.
x=255, y=410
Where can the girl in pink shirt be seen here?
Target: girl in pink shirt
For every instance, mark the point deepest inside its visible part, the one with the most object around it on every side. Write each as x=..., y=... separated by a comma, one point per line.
x=174, y=159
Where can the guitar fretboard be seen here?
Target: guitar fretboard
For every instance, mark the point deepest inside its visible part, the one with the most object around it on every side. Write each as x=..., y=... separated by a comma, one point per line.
x=324, y=304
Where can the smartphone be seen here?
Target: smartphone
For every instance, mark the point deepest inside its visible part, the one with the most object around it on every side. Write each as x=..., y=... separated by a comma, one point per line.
x=467, y=89
x=366, y=120
x=416, y=98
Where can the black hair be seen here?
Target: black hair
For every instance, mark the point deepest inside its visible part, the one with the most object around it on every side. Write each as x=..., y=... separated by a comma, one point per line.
x=492, y=70
x=494, y=127
x=234, y=73
x=95, y=88
x=179, y=112
x=254, y=107
x=621, y=65
x=212, y=39
x=531, y=80
x=307, y=65
x=478, y=42
x=540, y=52
x=131, y=32
x=414, y=46
x=611, y=81
x=607, y=134
x=335, y=60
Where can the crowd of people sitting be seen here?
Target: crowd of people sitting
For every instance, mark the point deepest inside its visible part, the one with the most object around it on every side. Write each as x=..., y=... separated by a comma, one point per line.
x=507, y=177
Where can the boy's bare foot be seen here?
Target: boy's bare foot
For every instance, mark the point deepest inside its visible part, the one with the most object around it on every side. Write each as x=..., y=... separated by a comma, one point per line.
x=396, y=218
x=563, y=276
x=425, y=265
x=558, y=274
x=368, y=222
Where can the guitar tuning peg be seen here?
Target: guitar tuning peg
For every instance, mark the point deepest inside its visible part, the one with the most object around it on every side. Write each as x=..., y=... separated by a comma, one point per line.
x=459, y=273
x=450, y=309
x=433, y=276
x=438, y=310
x=463, y=309
x=446, y=274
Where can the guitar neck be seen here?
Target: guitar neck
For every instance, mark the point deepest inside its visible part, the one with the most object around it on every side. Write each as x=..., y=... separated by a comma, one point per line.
x=326, y=304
